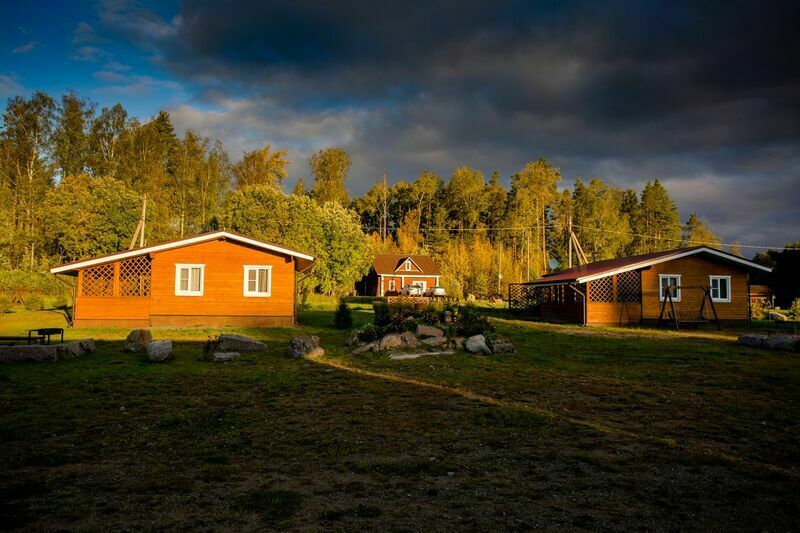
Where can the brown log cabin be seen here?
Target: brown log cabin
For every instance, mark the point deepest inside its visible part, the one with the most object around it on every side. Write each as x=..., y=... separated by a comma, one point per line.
x=214, y=279
x=391, y=272
x=683, y=286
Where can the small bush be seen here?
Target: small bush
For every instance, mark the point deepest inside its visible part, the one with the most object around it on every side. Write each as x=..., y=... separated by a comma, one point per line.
x=343, y=319
x=33, y=302
x=757, y=310
x=472, y=323
x=794, y=309
x=369, y=333
x=381, y=310
x=5, y=304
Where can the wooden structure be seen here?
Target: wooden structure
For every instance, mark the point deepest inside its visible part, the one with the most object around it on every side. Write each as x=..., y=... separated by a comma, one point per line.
x=698, y=284
x=391, y=272
x=213, y=279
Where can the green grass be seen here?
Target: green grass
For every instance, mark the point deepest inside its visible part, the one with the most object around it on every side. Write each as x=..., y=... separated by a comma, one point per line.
x=581, y=428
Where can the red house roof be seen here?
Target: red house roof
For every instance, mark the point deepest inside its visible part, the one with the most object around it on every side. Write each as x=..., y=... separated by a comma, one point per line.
x=389, y=264
x=608, y=267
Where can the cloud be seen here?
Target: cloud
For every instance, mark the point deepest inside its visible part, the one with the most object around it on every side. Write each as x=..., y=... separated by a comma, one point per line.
x=25, y=48
x=85, y=33
x=90, y=54
x=10, y=86
x=122, y=82
x=706, y=97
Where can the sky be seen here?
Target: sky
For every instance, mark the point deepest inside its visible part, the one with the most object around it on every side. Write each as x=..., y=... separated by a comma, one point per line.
x=704, y=96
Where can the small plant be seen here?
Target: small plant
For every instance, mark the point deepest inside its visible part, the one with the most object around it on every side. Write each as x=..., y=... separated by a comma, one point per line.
x=381, y=310
x=757, y=310
x=343, y=319
x=470, y=323
x=794, y=309
x=5, y=304
x=34, y=302
x=369, y=333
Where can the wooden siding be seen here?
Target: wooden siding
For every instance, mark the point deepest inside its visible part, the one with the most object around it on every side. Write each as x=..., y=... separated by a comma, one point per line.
x=612, y=314
x=222, y=303
x=695, y=271
x=400, y=283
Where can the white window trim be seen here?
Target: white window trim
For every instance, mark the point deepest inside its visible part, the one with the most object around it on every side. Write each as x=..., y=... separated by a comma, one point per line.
x=392, y=285
x=710, y=289
x=661, y=297
x=420, y=282
x=252, y=294
x=178, y=291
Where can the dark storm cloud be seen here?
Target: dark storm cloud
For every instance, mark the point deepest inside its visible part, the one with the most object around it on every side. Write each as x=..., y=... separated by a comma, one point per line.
x=705, y=95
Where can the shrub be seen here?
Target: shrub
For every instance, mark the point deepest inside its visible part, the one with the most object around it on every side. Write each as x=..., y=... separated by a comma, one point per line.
x=33, y=302
x=5, y=304
x=381, y=310
x=794, y=309
x=369, y=333
x=343, y=319
x=472, y=323
x=757, y=310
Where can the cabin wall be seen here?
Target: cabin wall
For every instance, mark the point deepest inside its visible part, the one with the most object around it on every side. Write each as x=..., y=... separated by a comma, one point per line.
x=401, y=281
x=695, y=271
x=613, y=314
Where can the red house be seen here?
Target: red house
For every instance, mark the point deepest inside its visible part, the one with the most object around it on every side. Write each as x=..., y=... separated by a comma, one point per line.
x=213, y=279
x=391, y=272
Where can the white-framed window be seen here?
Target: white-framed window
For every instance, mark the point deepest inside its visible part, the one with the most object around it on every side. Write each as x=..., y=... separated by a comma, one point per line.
x=189, y=280
x=720, y=288
x=422, y=284
x=407, y=265
x=669, y=280
x=257, y=280
x=392, y=285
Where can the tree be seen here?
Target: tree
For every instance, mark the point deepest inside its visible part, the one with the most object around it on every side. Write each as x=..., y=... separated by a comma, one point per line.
x=71, y=138
x=90, y=216
x=465, y=196
x=602, y=230
x=330, y=167
x=658, y=222
x=262, y=167
x=495, y=197
x=697, y=233
x=300, y=188
x=107, y=129
x=424, y=191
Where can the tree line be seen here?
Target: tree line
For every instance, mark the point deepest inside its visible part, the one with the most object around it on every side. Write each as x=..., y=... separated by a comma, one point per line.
x=72, y=180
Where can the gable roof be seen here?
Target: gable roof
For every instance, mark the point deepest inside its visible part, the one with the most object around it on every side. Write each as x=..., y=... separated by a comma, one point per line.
x=387, y=264
x=608, y=267
x=304, y=261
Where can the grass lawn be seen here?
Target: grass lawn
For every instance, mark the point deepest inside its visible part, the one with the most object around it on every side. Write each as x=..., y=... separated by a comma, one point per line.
x=581, y=428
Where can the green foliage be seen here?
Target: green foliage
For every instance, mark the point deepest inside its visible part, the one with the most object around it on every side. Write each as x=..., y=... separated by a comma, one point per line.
x=696, y=233
x=794, y=309
x=343, y=318
x=33, y=302
x=262, y=167
x=5, y=304
x=470, y=322
x=330, y=168
x=12, y=281
x=381, y=311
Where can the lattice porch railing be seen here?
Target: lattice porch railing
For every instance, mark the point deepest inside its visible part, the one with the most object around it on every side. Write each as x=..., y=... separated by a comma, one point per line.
x=135, y=277
x=98, y=281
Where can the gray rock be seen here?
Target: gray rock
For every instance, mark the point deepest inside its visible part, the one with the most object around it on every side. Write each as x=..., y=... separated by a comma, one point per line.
x=404, y=356
x=352, y=339
x=229, y=342
x=33, y=352
x=305, y=346
x=477, y=344
x=458, y=342
x=786, y=343
x=222, y=357
x=754, y=341
x=392, y=341
x=501, y=346
x=772, y=315
x=72, y=349
x=364, y=348
x=409, y=339
x=428, y=331
x=159, y=351
x=434, y=342
x=138, y=339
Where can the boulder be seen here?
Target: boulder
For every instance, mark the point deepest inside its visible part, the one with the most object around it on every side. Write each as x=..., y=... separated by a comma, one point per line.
x=369, y=347
x=458, y=342
x=392, y=341
x=229, y=342
x=780, y=317
x=501, y=346
x=352, y=339
x=28, y=352
x=754, y=341
x=787, y=343
x=429, y=331
x=434, y=342
x=159, y=351
x=477, y=344
x=409, y=339
x=305, y=346
x=72, y=349
x=403, y=356
x=221, y=357
x=138, y=339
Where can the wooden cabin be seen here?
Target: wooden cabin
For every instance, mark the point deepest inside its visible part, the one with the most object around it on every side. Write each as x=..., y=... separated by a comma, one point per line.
x=214, y=279
x=683, y=286
x=391, y=272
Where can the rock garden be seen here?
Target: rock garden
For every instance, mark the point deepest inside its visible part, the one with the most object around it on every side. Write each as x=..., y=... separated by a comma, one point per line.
x=407, y=332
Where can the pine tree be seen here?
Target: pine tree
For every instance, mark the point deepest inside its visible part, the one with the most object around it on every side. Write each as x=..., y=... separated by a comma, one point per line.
x=697, y=233
x=658, y=221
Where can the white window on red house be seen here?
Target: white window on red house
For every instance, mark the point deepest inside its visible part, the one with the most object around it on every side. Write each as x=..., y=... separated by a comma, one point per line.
x=392, y=285
x=189, y=280
x=407, y=266
x=257, y=280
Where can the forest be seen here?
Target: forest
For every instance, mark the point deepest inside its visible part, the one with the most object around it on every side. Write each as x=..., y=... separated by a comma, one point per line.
x=73, y=176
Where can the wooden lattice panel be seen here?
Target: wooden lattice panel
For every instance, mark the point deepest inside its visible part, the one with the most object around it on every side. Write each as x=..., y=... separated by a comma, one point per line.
x=629, y=287
x=602, y=290
x=98, y=281
x=134, y=277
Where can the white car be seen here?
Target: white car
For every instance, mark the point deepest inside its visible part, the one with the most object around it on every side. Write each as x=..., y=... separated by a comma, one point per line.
x=411, y=290
x=435, y=291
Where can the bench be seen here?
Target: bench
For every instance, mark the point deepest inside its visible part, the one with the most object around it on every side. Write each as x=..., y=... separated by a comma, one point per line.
x=46, y=333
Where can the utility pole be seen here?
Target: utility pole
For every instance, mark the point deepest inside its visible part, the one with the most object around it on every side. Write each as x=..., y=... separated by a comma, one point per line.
x=139, y=231
x=569, y=225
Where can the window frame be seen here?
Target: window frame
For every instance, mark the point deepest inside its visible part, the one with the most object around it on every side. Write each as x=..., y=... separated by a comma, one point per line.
x=392, y=285
x=661, y=295
x=407, y=265
x=189, y=291
x=711, y=289
x=256, y=294
x=424, y=283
